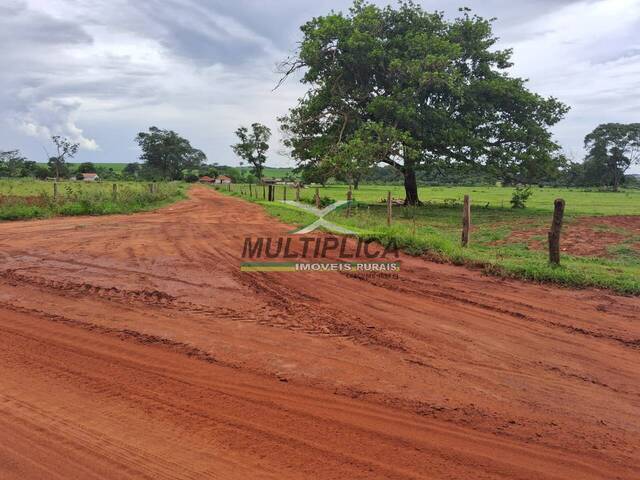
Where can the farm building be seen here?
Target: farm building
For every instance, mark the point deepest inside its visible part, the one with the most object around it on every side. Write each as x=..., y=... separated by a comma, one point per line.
x=90, y=177
x=207, y=179
x=222, y=179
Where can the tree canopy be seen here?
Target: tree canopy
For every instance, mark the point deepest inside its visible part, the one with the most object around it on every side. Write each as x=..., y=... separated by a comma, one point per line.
x=166, y=154
x=12, y=163
x=612, y=149
x=86, y=167
x=409, y=88
x=253, y=146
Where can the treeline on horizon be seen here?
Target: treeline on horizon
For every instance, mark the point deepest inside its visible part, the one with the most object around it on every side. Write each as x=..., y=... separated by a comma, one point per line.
x=571, y=174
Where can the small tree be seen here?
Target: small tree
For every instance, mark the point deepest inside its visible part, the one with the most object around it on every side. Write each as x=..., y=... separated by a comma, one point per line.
x=131, y=169
x=65, y=149
x=520, y=196
x=40, y=172
x=613, y=148
x=86, y=167
x=253, y=146
x=210, y=171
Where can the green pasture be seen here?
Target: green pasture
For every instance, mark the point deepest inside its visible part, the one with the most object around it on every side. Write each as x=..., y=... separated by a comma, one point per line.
x=433, y=229
x=578, y=201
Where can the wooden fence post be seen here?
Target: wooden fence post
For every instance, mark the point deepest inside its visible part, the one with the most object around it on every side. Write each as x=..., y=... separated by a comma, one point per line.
x=270, y=193
x=554, y=233
x=466, y=220
x=250, y=191
x=317, y=198
x=297, y=193
x=284, y=197
x=114, y=192
x=389, y=208
x=55, y=190
x=349, y=197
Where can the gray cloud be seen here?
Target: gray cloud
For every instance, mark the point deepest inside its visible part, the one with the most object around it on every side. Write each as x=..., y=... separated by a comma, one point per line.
x=101, y=70
x=32, y=28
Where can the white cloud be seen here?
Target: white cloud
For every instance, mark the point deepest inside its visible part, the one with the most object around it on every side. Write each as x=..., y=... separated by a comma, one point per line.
x=54, y=117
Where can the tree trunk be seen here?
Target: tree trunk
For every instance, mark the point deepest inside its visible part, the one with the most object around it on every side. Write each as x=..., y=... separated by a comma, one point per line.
x=410, y=185
x=616, y=181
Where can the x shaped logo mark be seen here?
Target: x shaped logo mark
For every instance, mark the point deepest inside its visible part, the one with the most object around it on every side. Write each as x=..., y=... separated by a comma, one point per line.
x=320, y=222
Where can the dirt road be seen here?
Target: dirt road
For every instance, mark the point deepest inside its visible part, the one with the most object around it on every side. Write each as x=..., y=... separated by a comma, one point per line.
x=133, y=347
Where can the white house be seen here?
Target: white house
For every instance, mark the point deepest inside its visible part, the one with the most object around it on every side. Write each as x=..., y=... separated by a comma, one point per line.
x=90, y=177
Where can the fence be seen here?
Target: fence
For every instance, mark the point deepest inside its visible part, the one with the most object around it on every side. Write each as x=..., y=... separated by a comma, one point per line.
x=279, y=192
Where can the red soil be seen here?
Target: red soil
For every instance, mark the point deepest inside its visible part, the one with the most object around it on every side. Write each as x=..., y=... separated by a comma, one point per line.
x=22, y=200
x=133, y=347
x=586, y=236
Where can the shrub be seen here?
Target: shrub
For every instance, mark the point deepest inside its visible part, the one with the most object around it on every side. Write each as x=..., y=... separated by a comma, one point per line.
x=520, y=196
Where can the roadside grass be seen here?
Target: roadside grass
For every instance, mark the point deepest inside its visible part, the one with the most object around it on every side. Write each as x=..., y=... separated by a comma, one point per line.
x=433, y=231
x=23, y=199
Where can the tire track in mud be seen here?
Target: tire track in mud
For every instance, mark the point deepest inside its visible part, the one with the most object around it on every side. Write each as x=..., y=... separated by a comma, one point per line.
x=494, y=304
x=122, y=334
x=523, y=368
x=292, y=432
x=312, y=316
x=287, y=313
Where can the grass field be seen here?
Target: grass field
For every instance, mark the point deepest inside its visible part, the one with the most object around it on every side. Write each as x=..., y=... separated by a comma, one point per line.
x=434, y=230
x=22, y=198
x=276, y=172
x=578, y=201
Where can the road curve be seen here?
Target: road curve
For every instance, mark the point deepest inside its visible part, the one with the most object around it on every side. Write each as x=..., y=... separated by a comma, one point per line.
x=133, y=347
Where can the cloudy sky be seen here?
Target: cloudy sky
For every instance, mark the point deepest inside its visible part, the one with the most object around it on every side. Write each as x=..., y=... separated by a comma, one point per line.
x=99, y=71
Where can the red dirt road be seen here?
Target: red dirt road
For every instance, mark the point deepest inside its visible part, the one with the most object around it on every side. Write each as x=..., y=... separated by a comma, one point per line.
x=133, y=347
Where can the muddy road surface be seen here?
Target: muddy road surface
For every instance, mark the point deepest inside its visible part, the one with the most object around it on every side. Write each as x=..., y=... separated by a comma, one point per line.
x=133, y=347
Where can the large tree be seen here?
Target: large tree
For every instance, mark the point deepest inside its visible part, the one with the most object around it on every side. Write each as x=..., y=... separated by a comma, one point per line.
x=612, y=149
x=410, y=89
x=166, y=154
x=252, y=146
